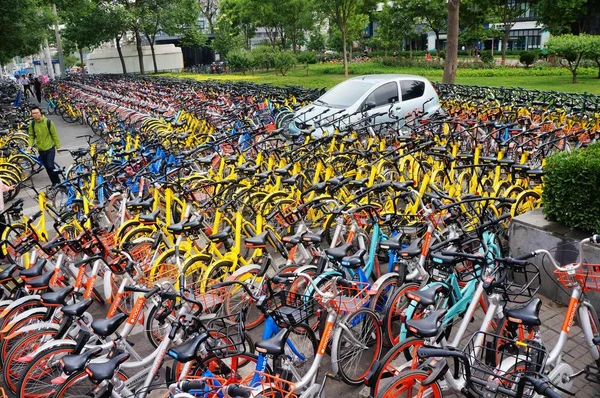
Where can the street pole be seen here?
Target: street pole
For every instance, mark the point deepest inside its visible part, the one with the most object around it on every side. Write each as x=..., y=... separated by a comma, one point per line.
x=61, y=60
x=48, y=60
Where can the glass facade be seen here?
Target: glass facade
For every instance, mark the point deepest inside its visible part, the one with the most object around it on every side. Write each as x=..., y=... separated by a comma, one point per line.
x=524, y=39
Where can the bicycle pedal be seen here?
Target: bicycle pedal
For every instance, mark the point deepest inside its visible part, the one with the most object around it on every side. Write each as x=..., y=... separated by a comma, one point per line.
x=592, y=374
x=333, y=376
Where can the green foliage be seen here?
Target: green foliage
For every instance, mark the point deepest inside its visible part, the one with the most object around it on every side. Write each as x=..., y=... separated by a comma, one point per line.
x=571, y=186
x=317, y=41
x=71, y=60
x=23, y=26
x=557, y=16
x=240, y=60
x=487, y=57
x=264, y=57
x=307, y=57
x=528, y=58
x=284, y=61
x=571, y=48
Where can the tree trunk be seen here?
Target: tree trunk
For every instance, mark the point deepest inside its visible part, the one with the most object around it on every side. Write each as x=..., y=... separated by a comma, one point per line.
x=151, y=42
x=410, y=48
x=452, y=42
x=81, y=59
x=505, y=42
x=138, y=46
x=492, y=46
x=344, y=55
x=437, y=44
x=120, y=52
x=574, y=72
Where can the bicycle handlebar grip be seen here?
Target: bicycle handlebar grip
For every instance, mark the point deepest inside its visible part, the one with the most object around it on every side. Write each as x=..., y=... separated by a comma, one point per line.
x=188, y=385
x=595, y=239
x=542, y=387
x=344, y=283
x=235, y=390
x=136, y=289
x=287, y=275
x=525, y=256
x=425, y=352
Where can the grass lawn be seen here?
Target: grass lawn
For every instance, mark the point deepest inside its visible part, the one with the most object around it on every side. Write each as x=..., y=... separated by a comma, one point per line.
x=329, y=75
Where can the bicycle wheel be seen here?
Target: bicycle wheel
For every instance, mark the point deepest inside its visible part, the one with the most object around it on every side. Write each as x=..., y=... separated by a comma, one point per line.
x=512, y=331
x=36, y=379
x=13, y=366
x=400, y=358
x=409, y=384
x=384, y=294
x=357, y=346
x=158, y=322
x=233, y=368
x=6, y=345
x=393, y=320
x=237, y=298
x=301, y=348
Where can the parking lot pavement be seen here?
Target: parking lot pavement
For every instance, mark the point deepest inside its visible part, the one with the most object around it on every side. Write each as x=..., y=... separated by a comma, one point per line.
x=552, y=314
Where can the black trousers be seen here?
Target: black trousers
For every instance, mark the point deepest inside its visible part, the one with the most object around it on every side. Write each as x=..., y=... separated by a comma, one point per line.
x=47, y=159
x=26, y=89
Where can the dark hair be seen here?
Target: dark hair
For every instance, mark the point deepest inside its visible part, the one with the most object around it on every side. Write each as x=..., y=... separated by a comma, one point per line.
x=36, y=107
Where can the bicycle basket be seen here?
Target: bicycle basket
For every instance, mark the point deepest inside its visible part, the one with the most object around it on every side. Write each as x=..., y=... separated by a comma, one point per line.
x=519, y=284
x=272, y=386
x=347, y=299
x=504, y=367
x=227, y=335
x=289, y=308
x=587, y=276
x=210, y=298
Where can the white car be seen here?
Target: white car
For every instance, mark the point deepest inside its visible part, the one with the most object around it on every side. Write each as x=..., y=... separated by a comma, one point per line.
x=387, y=97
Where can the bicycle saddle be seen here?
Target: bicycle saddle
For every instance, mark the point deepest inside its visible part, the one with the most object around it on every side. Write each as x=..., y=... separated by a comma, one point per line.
x=337, y=253
x=6, y=273
x=258, y=241
x=77, y=309
x=275, y=345
x=99, y=372
x=205, y=159
x=150, y=218
x=187, y=351
x=412, y=250
x=314, y=237
x=391, y=244
x=428, y=326
x=528, y=315
x=41, y=282
x=221, y=236
x=138, y=203
x=187, y=226
x=427, y=296
x=293, y=239
x=356, y=260
x=76, y=362
x=291, y=180
x=107, y=326
x=32, y=272
x=53, y=299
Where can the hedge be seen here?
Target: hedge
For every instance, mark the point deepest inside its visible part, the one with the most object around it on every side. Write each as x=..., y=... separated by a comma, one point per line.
x=571, y=192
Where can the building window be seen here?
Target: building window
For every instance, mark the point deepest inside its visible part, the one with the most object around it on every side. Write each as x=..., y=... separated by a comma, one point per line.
x=201, y=24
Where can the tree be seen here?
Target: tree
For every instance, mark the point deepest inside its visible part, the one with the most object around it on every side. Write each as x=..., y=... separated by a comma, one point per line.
x=209, y=9
x=452, y=45
x=85, y=23
x=593, y=50
x=24, y=24
x=560, y=16
x=316, y=41
x=238, y=16
x=434, y=15
x=510, y=10
x=340, y=13
x=395, y=24
x=571, y=49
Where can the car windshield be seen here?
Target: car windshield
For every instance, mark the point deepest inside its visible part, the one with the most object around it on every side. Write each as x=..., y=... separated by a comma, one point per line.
x=344, y=94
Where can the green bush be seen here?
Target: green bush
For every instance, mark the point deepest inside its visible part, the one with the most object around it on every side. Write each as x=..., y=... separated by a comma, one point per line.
x=284, y=61
x=528, y=58
x=487, y=57
x=571, y=187
x=263, y=57
x=240, y=60
x=307, y=57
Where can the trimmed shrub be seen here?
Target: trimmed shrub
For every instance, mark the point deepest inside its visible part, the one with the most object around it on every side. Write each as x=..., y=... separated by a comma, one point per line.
x=528, y=58
x=487, y=57
x=263, y=57
x=571, y=187
x=240, y=60
x=284, y=61
x=307, y=57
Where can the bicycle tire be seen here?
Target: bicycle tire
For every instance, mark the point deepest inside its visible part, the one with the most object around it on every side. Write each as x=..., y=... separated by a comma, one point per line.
x=29, y=380
x=352, y=365
x=396, y=305
x=80, y=385
x=405, y=382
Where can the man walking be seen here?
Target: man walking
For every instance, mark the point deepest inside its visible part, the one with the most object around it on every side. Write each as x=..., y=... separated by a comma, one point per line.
x=42, y=133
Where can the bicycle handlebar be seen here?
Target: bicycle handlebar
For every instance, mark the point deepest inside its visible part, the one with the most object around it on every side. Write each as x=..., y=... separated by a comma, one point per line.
x=541, y=387
x=568, y=268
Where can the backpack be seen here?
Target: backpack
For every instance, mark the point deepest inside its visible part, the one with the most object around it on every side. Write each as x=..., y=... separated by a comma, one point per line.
x=48, y=124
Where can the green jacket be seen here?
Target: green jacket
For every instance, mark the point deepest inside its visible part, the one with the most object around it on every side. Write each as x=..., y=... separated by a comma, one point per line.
x=41, y=137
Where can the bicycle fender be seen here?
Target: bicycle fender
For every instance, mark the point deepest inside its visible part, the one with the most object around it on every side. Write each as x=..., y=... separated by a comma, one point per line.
x=243, y=270
x=32, y=328
x=375, y=286
x=52, y=344
x=5, y=303
x=22, y=300
x=22, y=316
x=305, y=268
x=107, y=285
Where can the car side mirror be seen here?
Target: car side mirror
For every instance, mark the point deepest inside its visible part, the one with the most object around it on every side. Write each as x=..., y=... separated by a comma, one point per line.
x=367, y=106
